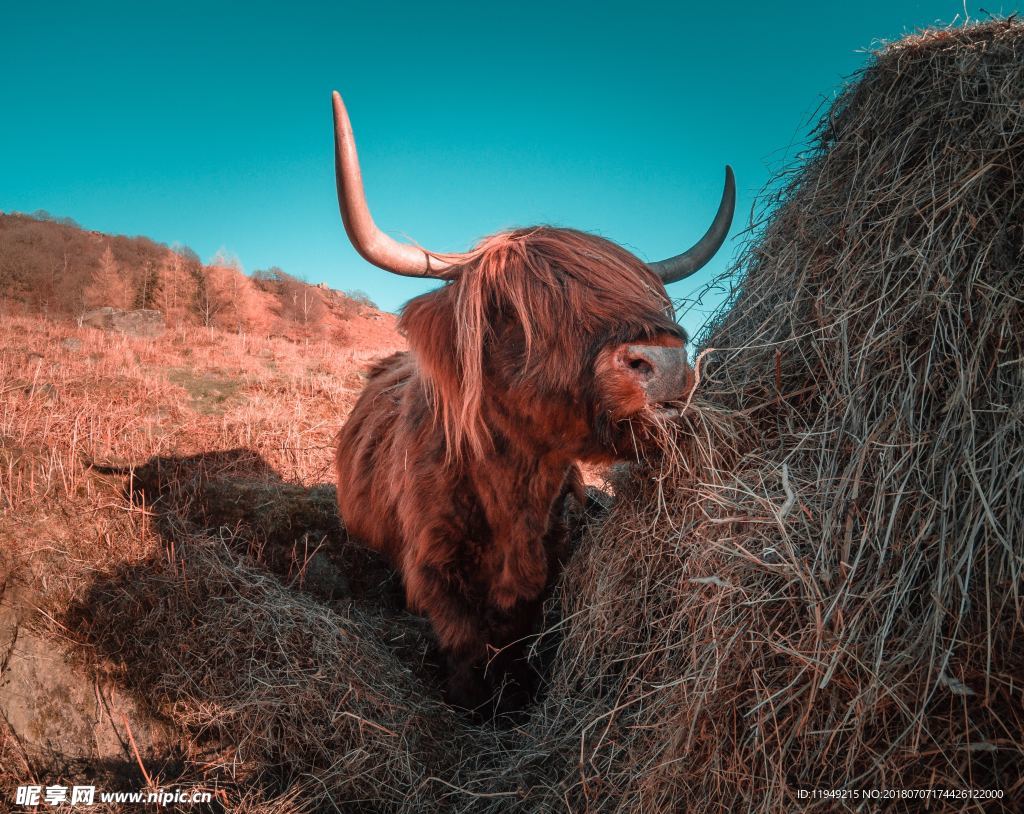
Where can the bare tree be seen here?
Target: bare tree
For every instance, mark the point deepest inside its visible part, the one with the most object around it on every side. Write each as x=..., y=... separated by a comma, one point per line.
x=213, y=297
x=228, y=299
x=177, y=293
x=149, y=285
x=302, y=304
x=109, y=284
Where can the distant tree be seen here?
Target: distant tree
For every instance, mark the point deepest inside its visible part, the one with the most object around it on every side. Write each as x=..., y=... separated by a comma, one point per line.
x=302, y=304
x=246, y=313
x=269, y=279
x=228, y=298
x=35, y=260
x=190, y=256
x=350, y=304
x=176, y=294
x=361, y=297
x=148, y=287
x=42, y=214
x=109, y=284
x=212, y=296
x=298, y=303
x=53, y=286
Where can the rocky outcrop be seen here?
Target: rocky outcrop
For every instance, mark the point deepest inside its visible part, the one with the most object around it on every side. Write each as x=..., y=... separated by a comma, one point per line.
x=140, y=322
x=58, y=710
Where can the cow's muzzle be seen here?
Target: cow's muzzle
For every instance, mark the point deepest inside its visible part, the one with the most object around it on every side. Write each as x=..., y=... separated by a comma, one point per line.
x=663, y=373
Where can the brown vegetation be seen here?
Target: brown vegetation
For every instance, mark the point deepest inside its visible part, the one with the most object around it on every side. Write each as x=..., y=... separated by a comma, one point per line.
x=817, y=587
x=52, y=266
x=77, y=543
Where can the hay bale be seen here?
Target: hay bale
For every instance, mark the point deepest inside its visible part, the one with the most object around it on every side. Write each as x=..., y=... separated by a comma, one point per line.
x=279, y=694
x=821, y=585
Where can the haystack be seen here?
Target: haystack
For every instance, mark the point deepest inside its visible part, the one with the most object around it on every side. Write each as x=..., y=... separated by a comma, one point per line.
x=817, y=587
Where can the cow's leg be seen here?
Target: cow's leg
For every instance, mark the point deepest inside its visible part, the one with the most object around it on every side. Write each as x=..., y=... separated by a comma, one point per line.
x=512, y=629
x=484, y=646
x=532, y=562
x=461, y=632
x=509, y=632
x=465, y=684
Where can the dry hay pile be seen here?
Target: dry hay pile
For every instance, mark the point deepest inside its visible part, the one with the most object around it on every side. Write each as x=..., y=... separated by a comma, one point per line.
x=818, y=587
x=289, y=704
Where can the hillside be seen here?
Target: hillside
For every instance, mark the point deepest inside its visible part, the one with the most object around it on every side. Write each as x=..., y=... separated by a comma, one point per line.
x=250, y=373
x=52, y=266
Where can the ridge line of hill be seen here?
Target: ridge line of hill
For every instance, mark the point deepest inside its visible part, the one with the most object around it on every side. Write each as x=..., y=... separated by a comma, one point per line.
x=53, y=266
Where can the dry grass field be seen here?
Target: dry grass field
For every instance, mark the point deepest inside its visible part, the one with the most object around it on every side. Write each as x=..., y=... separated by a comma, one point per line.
x=73, y=399
x=816, y=586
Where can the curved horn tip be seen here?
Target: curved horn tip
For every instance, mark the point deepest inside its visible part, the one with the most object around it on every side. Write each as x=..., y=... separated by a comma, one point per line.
x=338, y=104
x=697, y=256
x=367, y=239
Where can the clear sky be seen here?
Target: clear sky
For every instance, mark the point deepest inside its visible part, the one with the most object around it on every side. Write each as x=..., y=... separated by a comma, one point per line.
x=209, y=123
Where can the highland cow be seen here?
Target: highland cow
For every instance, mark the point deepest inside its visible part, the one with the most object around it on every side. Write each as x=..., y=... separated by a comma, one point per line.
x=545, y=347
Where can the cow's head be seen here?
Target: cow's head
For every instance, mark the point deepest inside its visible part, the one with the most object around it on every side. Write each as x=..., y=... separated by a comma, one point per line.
x=561, y=336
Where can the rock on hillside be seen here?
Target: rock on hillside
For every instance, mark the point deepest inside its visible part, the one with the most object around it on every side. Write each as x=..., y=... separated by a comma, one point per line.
x=140, y=322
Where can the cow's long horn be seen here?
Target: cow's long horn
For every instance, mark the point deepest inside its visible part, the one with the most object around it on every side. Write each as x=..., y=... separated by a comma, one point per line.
x=694, y=258
x=373, y=244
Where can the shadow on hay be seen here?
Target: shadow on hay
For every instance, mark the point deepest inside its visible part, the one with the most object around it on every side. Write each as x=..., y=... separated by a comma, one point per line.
x=291, y=531
x=231, y=505
x=279, y=649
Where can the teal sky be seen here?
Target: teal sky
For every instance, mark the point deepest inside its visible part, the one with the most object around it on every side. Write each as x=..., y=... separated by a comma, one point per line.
x=209, y=123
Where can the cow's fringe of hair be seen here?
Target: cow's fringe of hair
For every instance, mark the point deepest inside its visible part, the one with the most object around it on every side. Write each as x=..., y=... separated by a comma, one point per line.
x=561, y=287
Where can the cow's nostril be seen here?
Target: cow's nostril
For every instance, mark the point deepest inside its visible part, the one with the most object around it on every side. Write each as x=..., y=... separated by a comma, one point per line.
x=641, y=365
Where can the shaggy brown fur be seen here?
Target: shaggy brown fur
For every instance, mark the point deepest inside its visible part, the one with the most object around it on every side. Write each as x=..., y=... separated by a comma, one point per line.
x=459, y=454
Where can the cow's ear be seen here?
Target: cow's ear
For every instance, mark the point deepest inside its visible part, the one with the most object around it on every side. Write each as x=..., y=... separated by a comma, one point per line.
x=430, y=323
x=445, y=329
